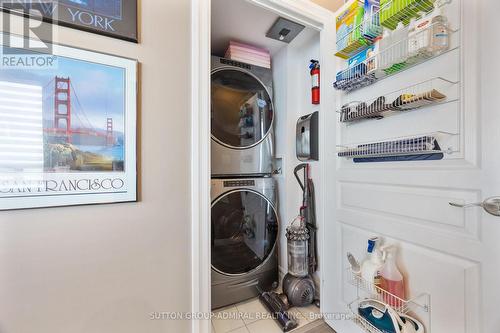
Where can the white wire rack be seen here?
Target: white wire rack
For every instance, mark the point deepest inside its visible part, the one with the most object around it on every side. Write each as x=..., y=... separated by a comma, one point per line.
x=361, y=35
x=434, y=143
x=367, y=290
x=394, y=11
x=412, y=50
x=430, y=92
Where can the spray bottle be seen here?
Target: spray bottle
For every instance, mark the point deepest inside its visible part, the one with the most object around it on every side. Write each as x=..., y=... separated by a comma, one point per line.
x=370, y=268
x=391, y=279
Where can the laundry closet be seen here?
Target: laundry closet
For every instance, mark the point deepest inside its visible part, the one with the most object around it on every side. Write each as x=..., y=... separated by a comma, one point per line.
x=402, y=136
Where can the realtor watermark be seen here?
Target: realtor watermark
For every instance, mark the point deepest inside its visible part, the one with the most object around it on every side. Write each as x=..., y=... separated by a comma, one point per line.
x=223, y=315
x=26, y=39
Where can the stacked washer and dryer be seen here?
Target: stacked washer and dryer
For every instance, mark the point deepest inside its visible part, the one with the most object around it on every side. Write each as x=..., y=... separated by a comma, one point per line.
x=245, y=224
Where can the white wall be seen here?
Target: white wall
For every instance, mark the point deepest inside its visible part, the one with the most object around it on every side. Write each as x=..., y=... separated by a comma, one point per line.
x=104, y=269
x=292, y=84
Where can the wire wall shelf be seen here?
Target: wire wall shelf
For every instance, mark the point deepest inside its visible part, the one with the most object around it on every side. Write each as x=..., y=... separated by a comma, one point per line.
x=431, y=92
x=422, y=147
x=402, y=55
x=361, y=35
x=394, y=11
x=366, y=290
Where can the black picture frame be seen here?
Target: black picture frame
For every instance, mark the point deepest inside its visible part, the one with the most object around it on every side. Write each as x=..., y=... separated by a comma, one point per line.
x=111, y=18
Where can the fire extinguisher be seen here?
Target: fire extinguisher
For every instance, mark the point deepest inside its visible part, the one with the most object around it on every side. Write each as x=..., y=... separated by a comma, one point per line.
x=314, y=67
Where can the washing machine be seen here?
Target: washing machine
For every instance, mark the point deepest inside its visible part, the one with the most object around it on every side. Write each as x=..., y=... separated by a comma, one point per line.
x=242, y=117
x=245, y=231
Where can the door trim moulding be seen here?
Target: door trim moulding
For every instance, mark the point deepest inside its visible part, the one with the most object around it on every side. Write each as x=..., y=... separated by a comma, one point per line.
x=302, y=11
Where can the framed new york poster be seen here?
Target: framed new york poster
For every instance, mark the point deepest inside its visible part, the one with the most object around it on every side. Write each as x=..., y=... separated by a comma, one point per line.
x=67, y=127
x=113, y=18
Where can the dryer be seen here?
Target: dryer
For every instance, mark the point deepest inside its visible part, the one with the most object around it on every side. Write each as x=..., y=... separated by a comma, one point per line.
x=242, y=118
x=245, y=231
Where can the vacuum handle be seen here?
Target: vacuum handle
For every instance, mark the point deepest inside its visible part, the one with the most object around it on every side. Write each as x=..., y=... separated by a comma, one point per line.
x=296, y=173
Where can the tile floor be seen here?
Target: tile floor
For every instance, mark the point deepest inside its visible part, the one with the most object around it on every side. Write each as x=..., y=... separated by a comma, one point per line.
x=252, y=317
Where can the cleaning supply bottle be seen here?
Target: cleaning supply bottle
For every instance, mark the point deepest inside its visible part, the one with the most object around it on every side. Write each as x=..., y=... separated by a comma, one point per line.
x=384, y=50
x=411, y=41
x=398, y=53
x=391, y=279
x=371, y=266
x=440, y=36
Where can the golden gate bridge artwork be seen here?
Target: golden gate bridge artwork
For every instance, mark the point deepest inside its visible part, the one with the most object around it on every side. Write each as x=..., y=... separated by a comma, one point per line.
x=72, y=142
x=65, y=129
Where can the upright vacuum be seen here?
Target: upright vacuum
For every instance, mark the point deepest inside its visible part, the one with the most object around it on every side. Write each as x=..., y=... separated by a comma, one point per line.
x=298, y=285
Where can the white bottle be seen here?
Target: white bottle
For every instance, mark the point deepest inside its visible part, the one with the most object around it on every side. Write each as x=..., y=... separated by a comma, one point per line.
x=440, y=36
x=420, y=40
x=411, y=41
x=384, y=50
x=400, y=45
x=371, y=266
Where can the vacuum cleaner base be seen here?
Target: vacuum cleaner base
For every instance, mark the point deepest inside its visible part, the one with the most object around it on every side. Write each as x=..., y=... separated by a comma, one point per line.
x=274, y=303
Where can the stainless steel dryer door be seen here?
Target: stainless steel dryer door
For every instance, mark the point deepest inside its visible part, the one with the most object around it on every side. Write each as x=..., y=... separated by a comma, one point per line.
x=244, y=232
x=241, y=110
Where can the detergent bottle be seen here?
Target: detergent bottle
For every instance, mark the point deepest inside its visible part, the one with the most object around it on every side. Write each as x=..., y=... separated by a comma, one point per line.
x=370, y=268
x=391, y=279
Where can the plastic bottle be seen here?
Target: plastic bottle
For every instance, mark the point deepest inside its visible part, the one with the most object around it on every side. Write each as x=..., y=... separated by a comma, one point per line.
x=440, y=35
x=429, y=36
x=399, y=37
x=398, y=52
x=371, y=266
x=384, y=44
x=391, y=279
x=411, y=47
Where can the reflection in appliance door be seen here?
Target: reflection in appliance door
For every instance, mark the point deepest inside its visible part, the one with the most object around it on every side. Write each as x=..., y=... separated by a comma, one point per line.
x=244, y=231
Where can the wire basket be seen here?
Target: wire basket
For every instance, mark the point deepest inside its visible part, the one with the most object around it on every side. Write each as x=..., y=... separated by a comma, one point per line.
x=430, y=92
x=368, y=290
x=361, y=35
x=403, y=54
x=426, y=144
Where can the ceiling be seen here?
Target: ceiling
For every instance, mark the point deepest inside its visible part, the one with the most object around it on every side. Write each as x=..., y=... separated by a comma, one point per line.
x=332, y=5
x=244, y=22
x=241, y=21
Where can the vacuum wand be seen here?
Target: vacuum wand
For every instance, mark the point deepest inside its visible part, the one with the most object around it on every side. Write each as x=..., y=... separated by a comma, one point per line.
x=308, y=211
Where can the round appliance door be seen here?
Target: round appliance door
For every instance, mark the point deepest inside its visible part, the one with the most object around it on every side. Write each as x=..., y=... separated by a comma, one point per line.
x=244, y=232
x=241, y=110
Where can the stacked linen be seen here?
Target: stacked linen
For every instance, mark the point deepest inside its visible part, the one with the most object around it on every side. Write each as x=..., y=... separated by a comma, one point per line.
x=249, y=54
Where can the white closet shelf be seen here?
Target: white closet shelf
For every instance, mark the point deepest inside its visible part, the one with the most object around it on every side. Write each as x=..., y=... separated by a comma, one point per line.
x=431, y=92
x=368, y=290
x=396, y=58
x=424, y=144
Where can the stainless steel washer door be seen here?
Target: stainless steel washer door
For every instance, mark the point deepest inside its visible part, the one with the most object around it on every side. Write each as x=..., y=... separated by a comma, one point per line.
x=241, y=110
x=244, y=232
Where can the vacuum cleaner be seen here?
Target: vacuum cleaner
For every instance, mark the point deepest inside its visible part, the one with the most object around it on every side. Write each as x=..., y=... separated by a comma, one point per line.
x=298, y=286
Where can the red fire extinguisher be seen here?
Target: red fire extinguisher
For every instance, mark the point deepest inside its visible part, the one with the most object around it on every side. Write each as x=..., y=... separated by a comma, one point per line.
x=314, y=67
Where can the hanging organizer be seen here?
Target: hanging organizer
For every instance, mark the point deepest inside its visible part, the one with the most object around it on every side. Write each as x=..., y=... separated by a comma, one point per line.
x=431, y=92
x=363, y=31
x=422, y=147
x=418, y=306
x=398, y=56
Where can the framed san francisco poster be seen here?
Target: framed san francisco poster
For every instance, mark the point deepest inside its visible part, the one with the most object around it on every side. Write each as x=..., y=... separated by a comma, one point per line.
x=113, y=18
x=67, y=127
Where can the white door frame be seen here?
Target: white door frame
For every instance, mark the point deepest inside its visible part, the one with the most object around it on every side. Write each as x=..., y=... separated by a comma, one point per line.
x=302, y=11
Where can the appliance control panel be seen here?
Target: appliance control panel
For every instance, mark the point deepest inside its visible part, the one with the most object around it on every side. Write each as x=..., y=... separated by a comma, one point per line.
x=239, y=183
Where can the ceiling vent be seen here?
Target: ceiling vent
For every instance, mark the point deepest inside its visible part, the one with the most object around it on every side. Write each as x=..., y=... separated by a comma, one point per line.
x=284, y=30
